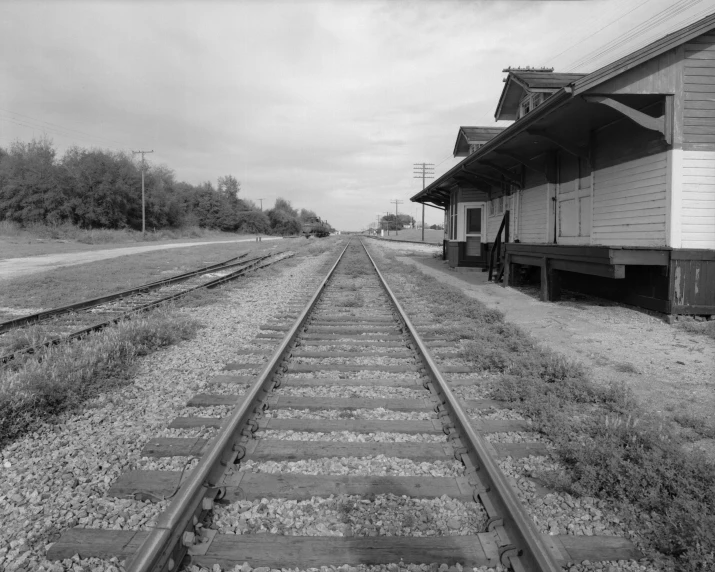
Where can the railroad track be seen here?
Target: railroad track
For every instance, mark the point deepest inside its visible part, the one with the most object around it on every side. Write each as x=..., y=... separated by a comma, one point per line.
x=77, y=320
x=350, y=378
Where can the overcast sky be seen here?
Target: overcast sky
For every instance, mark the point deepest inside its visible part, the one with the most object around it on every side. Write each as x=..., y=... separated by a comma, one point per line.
x=326, y=104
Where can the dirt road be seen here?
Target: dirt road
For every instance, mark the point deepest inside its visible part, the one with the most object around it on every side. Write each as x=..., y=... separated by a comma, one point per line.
x=16, y=267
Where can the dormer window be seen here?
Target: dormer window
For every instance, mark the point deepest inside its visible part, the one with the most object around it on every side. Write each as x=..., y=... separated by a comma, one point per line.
x=530, y=102
x=474, y=146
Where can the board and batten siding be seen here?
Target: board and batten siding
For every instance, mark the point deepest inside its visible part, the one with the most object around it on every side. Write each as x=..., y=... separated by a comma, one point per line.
x=698, y=161
x=534, y=203
x=629, y=186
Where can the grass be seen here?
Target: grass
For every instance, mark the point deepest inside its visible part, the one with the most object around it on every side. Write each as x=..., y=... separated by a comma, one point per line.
x=612, y=449
x=38, y=388
x=701, y=328
x=40, y=240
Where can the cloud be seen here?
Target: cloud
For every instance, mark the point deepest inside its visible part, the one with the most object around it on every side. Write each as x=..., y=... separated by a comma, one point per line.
x=327, y=104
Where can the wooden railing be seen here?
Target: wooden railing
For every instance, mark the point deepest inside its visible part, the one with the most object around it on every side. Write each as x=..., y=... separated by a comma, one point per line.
x=498, y=250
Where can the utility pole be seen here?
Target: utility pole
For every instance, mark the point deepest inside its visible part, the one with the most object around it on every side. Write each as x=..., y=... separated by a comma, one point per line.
x=387, y=223
x=143, y=203
x=396, y=202
x=423, y=171
x=261, y=204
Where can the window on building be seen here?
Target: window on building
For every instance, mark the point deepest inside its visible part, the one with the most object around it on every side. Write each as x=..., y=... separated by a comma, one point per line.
x=474, y=221
x=453, y=220
x=530, y=102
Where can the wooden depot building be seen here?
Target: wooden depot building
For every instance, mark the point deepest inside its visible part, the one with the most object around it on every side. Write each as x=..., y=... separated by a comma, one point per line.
x=604, y=183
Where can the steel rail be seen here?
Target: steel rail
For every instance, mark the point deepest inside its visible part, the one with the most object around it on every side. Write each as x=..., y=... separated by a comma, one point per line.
x=143, y=308
x=83, y=305
x=527, y=551
x=163, y=548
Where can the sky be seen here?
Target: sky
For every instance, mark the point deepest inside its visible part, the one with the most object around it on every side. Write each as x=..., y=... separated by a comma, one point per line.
x=325, y=104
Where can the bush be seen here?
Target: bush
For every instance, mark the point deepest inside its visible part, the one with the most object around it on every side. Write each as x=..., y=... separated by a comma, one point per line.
x=60, y=378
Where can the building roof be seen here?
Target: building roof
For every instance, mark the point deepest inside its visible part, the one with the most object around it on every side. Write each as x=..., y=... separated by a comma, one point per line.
x=545, y=80
x=473, y=135
x=563, y=107
x=520, y=81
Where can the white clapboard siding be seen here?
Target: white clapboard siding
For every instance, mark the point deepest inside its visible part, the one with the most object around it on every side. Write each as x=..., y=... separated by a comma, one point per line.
x=699, y=106
x=533, y=214
x=698, y=176
x=698, y=199
x=629, y=201
x=493, y=224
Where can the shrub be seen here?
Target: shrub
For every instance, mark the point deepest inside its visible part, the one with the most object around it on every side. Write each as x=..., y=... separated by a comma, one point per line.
x=60, y=378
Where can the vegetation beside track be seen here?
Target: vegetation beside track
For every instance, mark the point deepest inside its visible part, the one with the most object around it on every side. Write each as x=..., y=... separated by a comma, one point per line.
x=39, y=387
x=611, y=448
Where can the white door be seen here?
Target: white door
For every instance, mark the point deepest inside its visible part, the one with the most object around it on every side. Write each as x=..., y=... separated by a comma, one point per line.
x=574, y=200
x=474, y=225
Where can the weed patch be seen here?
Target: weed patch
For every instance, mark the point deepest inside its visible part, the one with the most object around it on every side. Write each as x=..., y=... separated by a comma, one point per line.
x=39, y=387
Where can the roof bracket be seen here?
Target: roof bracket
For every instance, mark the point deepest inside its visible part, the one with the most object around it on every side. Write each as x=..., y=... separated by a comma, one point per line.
x=660, y=124
x=508, y=175
x=485, y=178
x=567, y=146
x=528, y=163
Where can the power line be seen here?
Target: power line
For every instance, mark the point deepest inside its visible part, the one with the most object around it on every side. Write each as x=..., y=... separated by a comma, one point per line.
x=34, y=123
x=631, y=36
x=422, y=171
x=597, y=31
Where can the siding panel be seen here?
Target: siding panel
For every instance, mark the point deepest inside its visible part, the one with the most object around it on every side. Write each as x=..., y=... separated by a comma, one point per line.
x=629, y=194
x=532, y=221
x=698, y=177
x=699, y=89
x=698, y=199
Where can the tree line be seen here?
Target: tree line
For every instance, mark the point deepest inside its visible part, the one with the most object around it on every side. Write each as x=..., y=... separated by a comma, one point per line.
x=96, y=188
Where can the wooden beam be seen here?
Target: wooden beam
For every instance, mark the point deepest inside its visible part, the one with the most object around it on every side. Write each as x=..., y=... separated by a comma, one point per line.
x=528, y=163
x=567, y=146
x=486, y=178
x=643, y=119
x=508, y=175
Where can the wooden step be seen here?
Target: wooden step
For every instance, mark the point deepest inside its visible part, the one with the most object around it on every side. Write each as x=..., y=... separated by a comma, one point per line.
x=279, y=551
x=289, y=450
x=343, y=329
x=247, y=485
x=412, y=383
x=326, y=320
x=296, y=402
x=312, y=368
x=243, y=366
x=282, y=450
x=356, y=425
x=354, y=336
x=353, y=342
x=392, y=354
x=350, y=403
x=256, y=352
x=321, y=425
